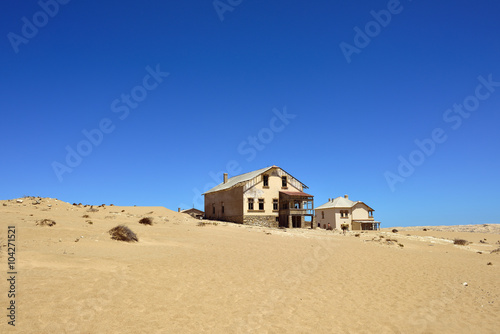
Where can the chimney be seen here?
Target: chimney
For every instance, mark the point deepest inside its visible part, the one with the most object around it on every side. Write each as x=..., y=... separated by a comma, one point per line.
x=178, y=209
x=329, y=200
x=225, y=177
x=346, y=197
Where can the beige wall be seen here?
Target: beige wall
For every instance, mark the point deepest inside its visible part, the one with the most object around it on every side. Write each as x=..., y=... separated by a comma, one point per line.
x=258, y=191
x=233, y=206
x=360, y=211
x=332, y=216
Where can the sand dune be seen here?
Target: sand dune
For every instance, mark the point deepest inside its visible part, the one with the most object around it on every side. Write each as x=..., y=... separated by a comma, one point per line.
x=226, y=278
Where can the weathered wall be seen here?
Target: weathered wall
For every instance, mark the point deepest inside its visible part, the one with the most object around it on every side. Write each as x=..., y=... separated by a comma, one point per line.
x=233, y=205
x=268, y=221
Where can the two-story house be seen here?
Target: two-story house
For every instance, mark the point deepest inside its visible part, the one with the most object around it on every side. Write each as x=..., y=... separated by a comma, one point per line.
x=341, y=210
x=267, y=197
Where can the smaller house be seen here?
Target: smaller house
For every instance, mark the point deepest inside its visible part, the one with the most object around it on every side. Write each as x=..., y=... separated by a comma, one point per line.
x=341, y=210
x=195, y=213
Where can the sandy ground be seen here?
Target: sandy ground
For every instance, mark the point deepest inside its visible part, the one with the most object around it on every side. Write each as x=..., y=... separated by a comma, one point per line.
x=227, y=278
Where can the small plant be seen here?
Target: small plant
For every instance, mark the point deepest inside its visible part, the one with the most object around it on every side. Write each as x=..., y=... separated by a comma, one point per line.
x=460, y=242
x=123, y=233
x=489, y=264
x=401, y=245
x=357, y=235
x=46, y=222
x=146, y=221
x=495, y=251
x=4, y=204
x=424, y=229
x=123, y=210
x=90, y=222
x=85, y=216
x=394, y=230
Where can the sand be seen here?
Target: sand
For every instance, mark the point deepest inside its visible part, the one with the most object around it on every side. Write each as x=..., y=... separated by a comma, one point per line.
x=227, y=278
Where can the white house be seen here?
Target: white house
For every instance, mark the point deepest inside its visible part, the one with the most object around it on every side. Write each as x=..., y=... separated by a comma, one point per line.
x=341, y=210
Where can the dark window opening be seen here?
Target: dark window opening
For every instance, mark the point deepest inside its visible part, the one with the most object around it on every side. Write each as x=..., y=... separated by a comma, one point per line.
x=261, y=204
x=275, y=204
x=250, y=204
x=265, y=179
x=283, y=182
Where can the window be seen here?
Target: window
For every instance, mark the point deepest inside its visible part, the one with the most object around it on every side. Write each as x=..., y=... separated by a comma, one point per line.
x=344, y=213
x=322, y=214
x=222, y=207
x=275, y=204
x=283, y=182
x=250, y=204
x=261, y=204
x=265, y=179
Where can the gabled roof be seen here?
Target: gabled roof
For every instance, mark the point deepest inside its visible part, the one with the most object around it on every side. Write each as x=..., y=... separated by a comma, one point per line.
x=239, y=179
x=235, y=180
x=340, y=202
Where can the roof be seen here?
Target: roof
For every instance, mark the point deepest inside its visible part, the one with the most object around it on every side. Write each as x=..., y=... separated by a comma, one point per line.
x=192, y=210
x=340, y=202
x=235, y=180
x=296, y=193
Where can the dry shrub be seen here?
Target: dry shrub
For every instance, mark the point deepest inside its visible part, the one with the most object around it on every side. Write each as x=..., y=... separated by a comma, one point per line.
x=85, y=216
x=394, y=230
x=357, y=235
x=46, y=222
x=92, y=210
x=495, y=251
x=401, y=245
x=425, y=229
x=146, y=221
x=123, y=233
x=460, y=242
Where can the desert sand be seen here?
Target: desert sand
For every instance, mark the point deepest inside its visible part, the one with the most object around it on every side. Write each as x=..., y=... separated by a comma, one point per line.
x=190, y=276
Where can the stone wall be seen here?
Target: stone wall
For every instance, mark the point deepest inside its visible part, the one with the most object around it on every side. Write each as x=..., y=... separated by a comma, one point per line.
x=267, y=221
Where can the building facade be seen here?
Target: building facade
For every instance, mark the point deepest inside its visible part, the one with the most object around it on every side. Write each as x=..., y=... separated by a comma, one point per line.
x=341, y=210
x=266, y=197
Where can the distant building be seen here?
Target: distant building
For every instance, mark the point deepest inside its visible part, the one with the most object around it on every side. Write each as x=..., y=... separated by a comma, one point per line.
x=341, y=210
x=267, y=197
x=195, y=213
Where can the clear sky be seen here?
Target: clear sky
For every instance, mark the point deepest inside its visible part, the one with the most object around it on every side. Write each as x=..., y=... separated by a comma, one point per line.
x=396, y=104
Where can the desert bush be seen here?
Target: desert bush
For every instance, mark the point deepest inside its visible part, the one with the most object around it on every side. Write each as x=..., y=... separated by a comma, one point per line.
x=401, y=245
x=425, y=229
x=85, y=216
x=46, y=222
x=460, y=242
x=123, y=233
x=90, y=222
x=357, y=235
x=4, y=204
x=495, y=251
x=146, y=221
x=394, y=230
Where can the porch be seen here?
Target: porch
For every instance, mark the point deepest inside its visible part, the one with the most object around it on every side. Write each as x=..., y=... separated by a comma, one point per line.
x=296, y=209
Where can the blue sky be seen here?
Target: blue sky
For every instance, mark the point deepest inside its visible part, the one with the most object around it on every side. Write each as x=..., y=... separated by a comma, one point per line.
x=336, y=93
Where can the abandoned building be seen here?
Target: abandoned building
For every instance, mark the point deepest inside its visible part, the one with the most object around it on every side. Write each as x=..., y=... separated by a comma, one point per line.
x=195, y=213
x=266, y=197
x=341, y=210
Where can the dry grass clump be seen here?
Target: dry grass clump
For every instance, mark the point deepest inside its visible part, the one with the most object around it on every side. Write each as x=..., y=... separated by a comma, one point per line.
x=357, y=235
x=123, y=233
x=460, y=242
x=202, y=223
x=92, y=210
x=85, y=216
x=495, y=251
x=45, y=222
x=146, y=221
x=394, y=230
